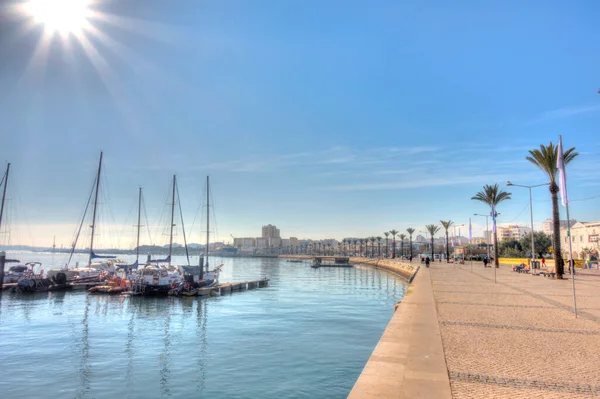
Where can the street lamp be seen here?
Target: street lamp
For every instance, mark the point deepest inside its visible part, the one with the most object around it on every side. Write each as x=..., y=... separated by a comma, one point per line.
x=508, y=183
x=487, y=230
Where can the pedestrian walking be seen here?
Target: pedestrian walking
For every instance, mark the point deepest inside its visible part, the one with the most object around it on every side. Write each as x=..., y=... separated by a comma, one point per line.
x=485, y=262
x=543, y=262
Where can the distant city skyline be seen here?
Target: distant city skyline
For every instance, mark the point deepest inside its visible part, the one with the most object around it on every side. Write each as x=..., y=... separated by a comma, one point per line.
x=329, y=119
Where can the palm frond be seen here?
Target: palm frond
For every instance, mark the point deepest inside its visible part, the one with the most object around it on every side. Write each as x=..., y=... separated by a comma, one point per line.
x=446, y=224
x=546, y=156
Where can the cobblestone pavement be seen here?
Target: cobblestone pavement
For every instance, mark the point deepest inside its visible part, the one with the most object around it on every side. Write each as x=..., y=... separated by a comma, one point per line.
x=518, y=338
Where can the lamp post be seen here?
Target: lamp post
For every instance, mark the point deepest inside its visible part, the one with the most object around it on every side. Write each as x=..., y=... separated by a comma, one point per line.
x=487, y=230
x=508, y=183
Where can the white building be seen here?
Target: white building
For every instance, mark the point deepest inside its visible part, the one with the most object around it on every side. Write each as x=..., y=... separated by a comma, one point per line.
x=244, y=242
x=585, y=239
x=548, y=227
x=512, y=232
x=274, y=242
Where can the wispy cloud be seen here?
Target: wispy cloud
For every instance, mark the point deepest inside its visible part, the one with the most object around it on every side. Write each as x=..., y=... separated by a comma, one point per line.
x=418, y=183
x=564, y=113
x=335, y=156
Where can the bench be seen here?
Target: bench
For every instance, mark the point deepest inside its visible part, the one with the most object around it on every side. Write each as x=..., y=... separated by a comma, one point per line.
x=548, y=273
x=526, y=271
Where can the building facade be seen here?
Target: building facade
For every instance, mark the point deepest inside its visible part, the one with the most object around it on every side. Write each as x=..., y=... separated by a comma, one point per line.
x=270, y=231
x=548, y=227
x=585, y=240
x=512, y=232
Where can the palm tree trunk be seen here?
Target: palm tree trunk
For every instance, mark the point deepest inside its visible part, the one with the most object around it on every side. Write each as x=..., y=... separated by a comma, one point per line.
x=558, y=259
x=496, y=260
x=402, y=248
x=432, y=249
x=387, y=248
x=410, y=245
x=447, y=249
x=394, y=248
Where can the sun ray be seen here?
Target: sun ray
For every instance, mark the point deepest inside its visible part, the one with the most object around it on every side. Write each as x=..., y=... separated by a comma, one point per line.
x=152, y=30
x=36, y=68
x=109, y=78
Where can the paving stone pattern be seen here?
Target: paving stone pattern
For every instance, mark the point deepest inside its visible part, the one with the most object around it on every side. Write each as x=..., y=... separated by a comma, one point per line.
x=518, y=338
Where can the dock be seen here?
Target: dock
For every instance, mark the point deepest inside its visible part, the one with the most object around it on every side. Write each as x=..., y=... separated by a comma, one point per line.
x=219, y=289
x=330, y=261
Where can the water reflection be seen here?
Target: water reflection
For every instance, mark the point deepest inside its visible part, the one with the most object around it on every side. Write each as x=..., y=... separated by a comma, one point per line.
x=201, y=344
x=83, y=347
x=165, y=372
x=146, y=347
x=129, y=350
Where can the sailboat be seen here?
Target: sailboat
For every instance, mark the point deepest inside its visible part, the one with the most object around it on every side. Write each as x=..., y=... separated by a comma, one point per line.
x=155, y=279
x=94, y=268
x=119, y=283
x=196, y=277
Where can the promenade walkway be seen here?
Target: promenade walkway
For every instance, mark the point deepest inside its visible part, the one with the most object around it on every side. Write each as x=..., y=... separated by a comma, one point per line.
x=518, y=338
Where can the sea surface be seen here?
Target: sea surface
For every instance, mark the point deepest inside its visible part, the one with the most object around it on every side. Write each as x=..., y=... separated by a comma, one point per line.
x=307, y=335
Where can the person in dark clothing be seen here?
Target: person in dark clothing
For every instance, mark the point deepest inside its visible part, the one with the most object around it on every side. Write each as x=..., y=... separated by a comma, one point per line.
x=427, y=261
x=485, y=262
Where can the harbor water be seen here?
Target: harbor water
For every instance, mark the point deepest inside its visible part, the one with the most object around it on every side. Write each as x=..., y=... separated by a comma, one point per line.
x=307, y=335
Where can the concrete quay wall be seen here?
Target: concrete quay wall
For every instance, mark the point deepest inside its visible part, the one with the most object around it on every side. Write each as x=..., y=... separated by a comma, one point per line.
x=405, y=270
x=409, y=360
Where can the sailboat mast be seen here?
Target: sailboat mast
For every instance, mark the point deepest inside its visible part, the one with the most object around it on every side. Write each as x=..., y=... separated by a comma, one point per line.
x=137, y=247
x=4, y=192
x=95, y=208
x=172, y=220
x=207, y=218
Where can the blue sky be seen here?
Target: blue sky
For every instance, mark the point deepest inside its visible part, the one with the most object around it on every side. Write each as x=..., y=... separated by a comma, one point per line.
x=325, y=118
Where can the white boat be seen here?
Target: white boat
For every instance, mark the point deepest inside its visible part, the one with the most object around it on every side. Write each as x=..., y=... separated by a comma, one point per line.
x=91, y=270
x=17, y=272
x=158, y=276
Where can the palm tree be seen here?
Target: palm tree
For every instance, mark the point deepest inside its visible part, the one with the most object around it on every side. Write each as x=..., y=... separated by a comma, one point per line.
x=446, y=225
x=492, y=196
x=387, y=247
x=410, y=232
x=393, y=233
x=372, y=239
x=379, y=245
x=355, y=242
x=432, y=229
x=546, y=159
x=402, y=237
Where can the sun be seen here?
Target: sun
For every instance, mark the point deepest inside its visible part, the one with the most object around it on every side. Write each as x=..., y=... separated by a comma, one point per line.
x=63, y=16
